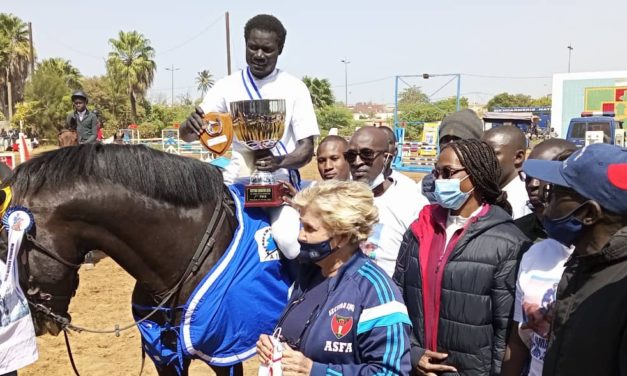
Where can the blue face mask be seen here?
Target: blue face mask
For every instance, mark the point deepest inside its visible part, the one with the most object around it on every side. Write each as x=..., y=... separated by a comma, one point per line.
x=428, y=188
x=314, y=252
x=565, y=230
x=448, y=193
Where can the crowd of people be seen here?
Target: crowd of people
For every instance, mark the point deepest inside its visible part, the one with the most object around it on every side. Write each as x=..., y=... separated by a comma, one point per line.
x=498, y=262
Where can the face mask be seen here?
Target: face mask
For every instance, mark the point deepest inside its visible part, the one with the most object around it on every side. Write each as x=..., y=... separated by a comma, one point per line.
x=566, y=229
x=380, y=178
x=428, y=188
x=448, y=193
x=314, y=252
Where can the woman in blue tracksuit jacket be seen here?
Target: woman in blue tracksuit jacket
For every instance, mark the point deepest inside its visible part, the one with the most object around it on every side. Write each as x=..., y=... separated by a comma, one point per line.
x=345, y=315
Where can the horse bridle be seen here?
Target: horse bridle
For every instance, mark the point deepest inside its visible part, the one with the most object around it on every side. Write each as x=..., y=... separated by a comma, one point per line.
x=202, y=251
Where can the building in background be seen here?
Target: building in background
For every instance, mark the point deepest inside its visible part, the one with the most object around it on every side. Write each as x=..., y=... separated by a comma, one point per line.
x=574, y=93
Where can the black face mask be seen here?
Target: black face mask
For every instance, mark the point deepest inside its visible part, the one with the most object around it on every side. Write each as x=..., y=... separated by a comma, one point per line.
x=314, y=252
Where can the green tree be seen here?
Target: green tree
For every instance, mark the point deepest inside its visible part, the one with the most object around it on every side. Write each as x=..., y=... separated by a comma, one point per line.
x=63, y=68
x=334, y=116
x=543, y=101
x=110, y=98
x=205, y=82
x=411, y=96
x=14, y=59
x=320, y=91
x=47, y=103
x=132, y=61
x=509, y=100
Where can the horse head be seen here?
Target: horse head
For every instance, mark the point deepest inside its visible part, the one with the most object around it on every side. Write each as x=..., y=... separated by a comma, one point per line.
x=145, y=209
x=67, y=137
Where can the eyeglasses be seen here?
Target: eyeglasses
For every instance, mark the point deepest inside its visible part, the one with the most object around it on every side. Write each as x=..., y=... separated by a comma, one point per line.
x=367, y=155
x=446, y=172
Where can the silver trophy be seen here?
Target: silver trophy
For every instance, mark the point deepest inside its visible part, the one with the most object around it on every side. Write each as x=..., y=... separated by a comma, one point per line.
x=259, y=125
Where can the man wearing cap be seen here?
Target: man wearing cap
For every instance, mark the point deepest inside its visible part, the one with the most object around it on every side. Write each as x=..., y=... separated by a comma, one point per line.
x=84, y=122
x=587, y=208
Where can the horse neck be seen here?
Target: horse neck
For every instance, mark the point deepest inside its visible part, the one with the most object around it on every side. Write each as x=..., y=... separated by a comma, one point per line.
x=153, y=241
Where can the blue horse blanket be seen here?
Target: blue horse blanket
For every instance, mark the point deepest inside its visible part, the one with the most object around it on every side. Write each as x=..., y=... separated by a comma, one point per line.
x=241, y=297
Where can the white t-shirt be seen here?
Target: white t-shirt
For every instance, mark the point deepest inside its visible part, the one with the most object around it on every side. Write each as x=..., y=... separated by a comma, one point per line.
x=300, y=118
x=517, y=197
x=398, y=207
x=540, y=271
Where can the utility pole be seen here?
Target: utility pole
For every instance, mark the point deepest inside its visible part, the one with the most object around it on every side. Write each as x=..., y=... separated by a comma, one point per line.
x=346, y=62
x=32, y=53
x=570, y=51
x=228, y=43
x=172, y=69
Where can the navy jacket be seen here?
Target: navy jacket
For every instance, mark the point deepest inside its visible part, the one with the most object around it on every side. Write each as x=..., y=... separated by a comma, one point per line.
x=361, y=329
x=87, y=129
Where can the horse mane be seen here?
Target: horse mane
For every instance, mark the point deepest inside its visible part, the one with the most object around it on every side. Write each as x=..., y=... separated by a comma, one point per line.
x=162, y=176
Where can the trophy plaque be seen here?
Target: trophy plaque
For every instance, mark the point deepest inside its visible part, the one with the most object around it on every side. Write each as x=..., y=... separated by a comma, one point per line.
x=218, y=133
x=259, y=125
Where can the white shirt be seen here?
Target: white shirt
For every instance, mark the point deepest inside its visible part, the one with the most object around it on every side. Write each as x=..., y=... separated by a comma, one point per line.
x=455, y=222
x=540, y=271
x=517, y=197
x=81, y=115
x=300, y=118
x=398, y=207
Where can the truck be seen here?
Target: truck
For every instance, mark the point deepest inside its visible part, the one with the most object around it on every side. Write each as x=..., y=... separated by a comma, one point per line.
x=596, y=127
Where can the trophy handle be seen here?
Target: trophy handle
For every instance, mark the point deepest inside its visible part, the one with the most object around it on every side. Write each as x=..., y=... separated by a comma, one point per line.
x=218, y=135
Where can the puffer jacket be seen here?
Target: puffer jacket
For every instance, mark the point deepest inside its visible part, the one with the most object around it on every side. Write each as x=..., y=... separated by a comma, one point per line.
x=472, y=304
x=589, y=329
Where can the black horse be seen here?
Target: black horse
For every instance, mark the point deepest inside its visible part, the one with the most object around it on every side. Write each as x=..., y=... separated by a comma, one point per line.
x=146, y=209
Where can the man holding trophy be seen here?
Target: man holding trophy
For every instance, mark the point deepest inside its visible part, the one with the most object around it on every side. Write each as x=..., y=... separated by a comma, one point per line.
x=273, y=119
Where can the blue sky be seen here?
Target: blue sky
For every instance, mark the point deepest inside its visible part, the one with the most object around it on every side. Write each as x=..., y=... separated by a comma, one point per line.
x=523, y=39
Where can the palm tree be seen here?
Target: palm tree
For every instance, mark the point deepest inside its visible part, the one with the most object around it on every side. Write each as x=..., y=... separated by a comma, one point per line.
x=204, y=81
x=14, y=59
x=63, y=68
x=320, y=91
x=131, y=61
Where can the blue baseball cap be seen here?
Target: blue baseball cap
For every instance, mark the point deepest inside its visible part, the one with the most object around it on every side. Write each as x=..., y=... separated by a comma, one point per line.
x=597, y=172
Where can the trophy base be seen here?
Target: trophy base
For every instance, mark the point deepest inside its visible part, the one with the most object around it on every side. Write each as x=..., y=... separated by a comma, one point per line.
x=264, y=195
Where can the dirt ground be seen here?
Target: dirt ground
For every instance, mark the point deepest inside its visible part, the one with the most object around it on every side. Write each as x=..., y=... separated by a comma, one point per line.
x=102, y=301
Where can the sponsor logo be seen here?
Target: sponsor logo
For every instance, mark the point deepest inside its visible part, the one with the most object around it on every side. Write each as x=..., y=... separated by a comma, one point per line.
x=266, y=246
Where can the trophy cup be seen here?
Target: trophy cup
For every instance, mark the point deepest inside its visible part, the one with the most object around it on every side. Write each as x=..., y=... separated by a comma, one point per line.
x=259, y=125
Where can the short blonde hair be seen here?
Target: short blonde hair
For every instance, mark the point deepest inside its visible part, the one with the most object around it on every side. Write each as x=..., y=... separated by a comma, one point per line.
x=345, y=207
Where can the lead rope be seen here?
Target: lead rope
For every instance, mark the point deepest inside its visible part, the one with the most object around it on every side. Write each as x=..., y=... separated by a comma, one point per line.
x=69, y=352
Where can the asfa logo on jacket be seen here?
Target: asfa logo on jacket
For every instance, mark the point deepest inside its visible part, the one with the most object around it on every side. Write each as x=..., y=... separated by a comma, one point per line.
x=341, y=324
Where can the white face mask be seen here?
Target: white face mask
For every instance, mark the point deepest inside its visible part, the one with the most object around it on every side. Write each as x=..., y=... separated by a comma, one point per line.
x=379, y=179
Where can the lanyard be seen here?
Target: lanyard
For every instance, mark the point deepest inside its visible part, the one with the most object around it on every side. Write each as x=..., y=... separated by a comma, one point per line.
x=252, y=82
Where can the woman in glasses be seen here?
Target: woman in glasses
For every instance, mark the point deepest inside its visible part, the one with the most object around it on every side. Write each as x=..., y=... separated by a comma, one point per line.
x=345, y=315
x=457, y=266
